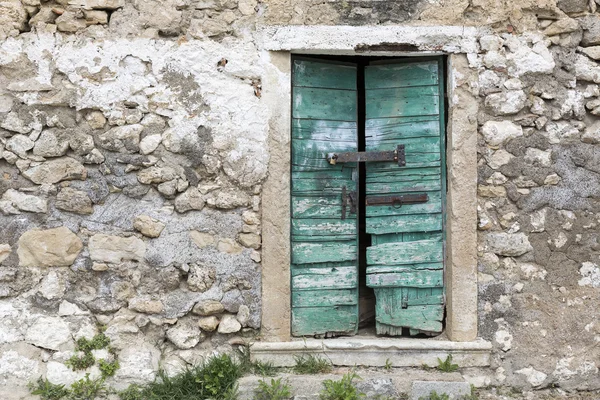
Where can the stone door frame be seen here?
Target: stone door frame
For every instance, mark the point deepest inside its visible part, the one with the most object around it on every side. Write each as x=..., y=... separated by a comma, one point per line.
x=277, y=44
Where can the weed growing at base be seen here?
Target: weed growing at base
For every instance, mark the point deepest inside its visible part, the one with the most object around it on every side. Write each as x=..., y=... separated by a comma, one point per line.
x=343, y=389
x=311, y=364
x=276, y=390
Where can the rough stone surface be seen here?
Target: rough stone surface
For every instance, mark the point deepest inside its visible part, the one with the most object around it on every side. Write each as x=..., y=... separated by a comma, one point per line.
x=49, y=333
x=508, y=244
x=454, y=390
x=57, y=170
x=75, y=201
x=229, y=324
x=116, y=249
x=148, y=226
x=56, y=247
x=497, y=133
x=185, y=334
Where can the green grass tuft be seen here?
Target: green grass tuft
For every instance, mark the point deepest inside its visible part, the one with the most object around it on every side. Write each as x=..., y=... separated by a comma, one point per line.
x=343, y=389
x=311, y=364
x=47, y=390
x=276, y=390
x=446, y=365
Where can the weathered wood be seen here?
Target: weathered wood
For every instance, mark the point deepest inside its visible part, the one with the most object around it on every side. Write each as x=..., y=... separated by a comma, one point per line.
x=407, y=278
x=323, y=75
x=383, y=269
x=317, y=206
x=405, y=253
x=425, y=318
x=324, y=297
x=320, y=320
x=401, y=75
x=399, y=102
x=404, y=223
x=316, y=103
x=401, y=127
x=325, y=227
x=324, y=247
x=398, y=187
x=423, y=144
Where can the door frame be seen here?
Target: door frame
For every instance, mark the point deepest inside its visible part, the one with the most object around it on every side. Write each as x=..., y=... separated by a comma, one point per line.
x=461, y=158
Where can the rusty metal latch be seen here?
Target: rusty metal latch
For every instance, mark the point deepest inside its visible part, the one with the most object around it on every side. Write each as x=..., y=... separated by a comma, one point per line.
x=397, y=201
x=351, y=197
x=369, y=156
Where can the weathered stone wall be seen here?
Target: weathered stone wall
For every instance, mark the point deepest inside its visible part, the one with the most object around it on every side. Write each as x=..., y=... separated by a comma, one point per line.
x=133, y=146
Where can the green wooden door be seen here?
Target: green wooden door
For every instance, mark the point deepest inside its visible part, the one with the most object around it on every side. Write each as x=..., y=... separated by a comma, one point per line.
x=405, y=259
x=324, y=269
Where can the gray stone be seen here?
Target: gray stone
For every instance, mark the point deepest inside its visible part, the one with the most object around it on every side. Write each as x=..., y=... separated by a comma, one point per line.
x=507, y=244
x=243, y=315
x=506, y=103
x=49, y=333
x=191, y=199
x=116, y=249
x=572, y=6
x=592, y=134
x=24, y=202
x=229, y=324
x=156, y=174
x=185, y=334
x=149, y=143
x=148, y=226
x=122, y=138
x=208, y=307
x=208, y=324
x=50, y=144
x=591, y=30
x=586, y=69
x=48, y=248
x=20, y=145
x=5, y=251
x=538, y=158
x=251, y=240
x=454, y=390
x=499, y=132
x=592, y=52
x=146, y=305
x=68, y=22
x=57, y=170
x=201, y=277
x=75, y=201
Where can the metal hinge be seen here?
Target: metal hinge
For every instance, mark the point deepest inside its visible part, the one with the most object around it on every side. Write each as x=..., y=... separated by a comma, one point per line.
x=369, y=156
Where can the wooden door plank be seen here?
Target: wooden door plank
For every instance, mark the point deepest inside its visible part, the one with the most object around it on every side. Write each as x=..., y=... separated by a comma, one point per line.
x=404, y=223
x=401, y=75
x=324, y=130
x=399, y=102
x=324, y=278
x=433, y=205
x=306, y=253
x=405, y=253
x=401, y=127
x=311, y=73
x=317, y=206
x=389, y=188
x=382, y=269
x=324, y=297
x=324, y=227
x=425, y=318
x=319, y=320
x=317, y=103
x=408, y=278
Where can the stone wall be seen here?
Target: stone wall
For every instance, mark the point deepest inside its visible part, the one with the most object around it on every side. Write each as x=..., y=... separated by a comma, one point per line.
x=133, y=147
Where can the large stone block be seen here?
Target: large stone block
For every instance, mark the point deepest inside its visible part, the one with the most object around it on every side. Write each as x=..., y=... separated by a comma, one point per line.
x=54, y=171
x=454, y=390
x=56, y=247
x=116, y=249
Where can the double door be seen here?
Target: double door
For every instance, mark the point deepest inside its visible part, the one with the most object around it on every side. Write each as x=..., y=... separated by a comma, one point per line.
x=368, y=195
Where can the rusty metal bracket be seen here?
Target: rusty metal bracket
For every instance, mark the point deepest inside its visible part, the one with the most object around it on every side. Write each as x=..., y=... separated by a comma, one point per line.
x=345, y=197
x=398, y=155
x=397, y=201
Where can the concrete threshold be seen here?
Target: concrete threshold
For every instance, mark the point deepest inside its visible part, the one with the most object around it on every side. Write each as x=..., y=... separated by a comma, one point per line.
x=378, y=352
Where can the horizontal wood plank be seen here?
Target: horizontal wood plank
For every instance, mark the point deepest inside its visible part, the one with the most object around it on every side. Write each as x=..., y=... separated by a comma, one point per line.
x=316, y=103
x=401, y=74
x=317, y=206
x=383, y=269
x=307, y=253
x=325, y=278
x=425, y=318
x=323, y=74
x=399, y=102
x=324, y=130
x=404, y=223
x=324, y=297
x=308, y=321
x=389, y=187
x=325, y=227
x=433, y=205
x=407, y=278
x=378, y=129
x=405, y=253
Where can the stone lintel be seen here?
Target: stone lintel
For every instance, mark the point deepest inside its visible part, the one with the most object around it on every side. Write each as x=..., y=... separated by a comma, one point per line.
x=370, y=39
x=376, y=352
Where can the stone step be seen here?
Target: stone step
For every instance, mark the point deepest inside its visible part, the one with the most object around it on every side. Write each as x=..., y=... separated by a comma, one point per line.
x=394, y=384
